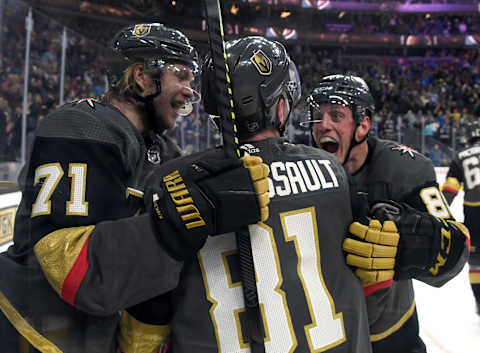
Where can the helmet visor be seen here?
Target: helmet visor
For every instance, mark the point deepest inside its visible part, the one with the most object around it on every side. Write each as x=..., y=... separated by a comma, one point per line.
x=188, y=76
x=314, y=104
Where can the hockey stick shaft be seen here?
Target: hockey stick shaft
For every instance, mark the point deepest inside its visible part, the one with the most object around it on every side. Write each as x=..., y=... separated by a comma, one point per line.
x=226, y=107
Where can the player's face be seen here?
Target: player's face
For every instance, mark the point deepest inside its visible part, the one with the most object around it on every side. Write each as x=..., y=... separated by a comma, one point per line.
x=177, y=90
x=334, y=129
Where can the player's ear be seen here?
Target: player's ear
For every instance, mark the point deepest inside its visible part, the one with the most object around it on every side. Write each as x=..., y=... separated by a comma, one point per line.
x=282, y=110
x=363, y=128
x=139, y=76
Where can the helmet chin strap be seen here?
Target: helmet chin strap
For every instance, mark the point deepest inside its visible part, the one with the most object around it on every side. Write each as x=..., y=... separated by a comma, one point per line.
x=354, y=143
x=149, y=106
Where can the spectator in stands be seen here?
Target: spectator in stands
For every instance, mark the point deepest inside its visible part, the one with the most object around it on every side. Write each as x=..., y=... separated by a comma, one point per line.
x=436, y=155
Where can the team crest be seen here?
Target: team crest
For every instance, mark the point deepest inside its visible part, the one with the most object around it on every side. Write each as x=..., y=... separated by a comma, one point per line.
x=141, y=30
x=405, y=149
x=153, y=154
x=262, y=63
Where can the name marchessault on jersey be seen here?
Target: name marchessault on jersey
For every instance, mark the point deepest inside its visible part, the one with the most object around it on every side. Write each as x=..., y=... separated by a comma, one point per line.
x=287, y=178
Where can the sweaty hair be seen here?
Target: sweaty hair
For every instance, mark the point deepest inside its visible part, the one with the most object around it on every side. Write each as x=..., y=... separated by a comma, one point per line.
x=125, y=89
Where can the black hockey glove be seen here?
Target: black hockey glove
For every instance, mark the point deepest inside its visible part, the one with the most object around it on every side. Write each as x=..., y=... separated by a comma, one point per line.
x=428, y=245
x=190, y=201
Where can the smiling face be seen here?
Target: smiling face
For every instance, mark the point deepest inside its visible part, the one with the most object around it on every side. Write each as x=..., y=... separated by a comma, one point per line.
x=176, y=90
x=333, y=128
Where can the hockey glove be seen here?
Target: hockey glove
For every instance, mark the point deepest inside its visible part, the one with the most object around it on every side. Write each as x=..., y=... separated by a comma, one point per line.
x=190, y=201
x=428, y=245
x=371, y=250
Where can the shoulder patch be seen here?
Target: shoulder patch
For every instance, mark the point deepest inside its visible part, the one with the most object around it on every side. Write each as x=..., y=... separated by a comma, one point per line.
x=405, y=149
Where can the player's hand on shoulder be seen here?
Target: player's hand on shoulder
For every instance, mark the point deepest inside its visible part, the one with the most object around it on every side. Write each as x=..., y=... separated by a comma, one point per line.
x=371, y=247
x=190, y=200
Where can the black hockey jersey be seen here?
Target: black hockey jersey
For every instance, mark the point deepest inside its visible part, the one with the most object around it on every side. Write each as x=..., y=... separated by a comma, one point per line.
x=399, y=173
x=310, y=300
x=74, y=261
x=464, y=170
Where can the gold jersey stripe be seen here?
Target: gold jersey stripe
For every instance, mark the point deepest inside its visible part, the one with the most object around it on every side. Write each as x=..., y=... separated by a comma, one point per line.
x=25, y=329
x=452, y=183
x=474, y=277
x=136, y=336
x=58, y=251
x=380, y=336
x=133, y=192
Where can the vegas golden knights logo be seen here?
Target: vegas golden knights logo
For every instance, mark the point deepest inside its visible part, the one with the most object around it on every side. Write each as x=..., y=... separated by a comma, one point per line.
x=141, y=30
x=262, y=62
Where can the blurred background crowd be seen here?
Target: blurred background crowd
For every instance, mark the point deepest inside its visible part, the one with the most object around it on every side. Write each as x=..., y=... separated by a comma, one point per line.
x=425, y=85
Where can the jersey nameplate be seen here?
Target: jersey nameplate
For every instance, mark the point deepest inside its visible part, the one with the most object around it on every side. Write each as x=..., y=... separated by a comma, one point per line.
x=287, y=178
x=470, y=152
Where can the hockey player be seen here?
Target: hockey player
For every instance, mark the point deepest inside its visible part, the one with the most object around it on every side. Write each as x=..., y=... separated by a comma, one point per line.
x=311, y=301
x=81, y=250
x=464, y=171
x=432, y=247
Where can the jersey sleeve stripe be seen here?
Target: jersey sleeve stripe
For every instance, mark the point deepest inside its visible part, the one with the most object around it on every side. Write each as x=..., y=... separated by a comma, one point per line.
x=452, y=185
x=63, y=257
x=367, y=290
x=75, y=276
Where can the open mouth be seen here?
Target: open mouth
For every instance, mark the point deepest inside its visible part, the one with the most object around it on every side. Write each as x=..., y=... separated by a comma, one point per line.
x=177, y=104
x=329, y=144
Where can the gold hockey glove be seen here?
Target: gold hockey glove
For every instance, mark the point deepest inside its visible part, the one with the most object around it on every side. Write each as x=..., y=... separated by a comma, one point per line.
x=371, y=249
x=213, y=195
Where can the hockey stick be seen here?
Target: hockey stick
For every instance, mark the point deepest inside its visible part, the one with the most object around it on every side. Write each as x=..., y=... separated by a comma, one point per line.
x=231, y=148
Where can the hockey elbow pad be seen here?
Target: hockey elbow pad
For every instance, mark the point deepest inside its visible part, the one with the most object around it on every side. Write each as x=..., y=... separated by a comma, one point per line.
x=429, y=246
x=190, y=201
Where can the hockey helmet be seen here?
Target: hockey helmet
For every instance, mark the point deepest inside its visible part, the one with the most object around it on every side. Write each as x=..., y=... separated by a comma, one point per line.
x=346, y=90
x=261, y=72
x=154, y=44
x=474, y=131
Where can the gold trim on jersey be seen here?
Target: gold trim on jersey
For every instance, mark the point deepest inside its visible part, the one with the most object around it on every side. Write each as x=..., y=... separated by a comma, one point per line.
x=25, y=329
x=380, y=336
x=435, y=202
x=471, y=203
x=77, y=191
x=58, y=251
x=133, y=192
x=209, y=297
x=135, y=336
x=293, y=238
x=452, y=183
x=279, y=291
x=474, y=277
